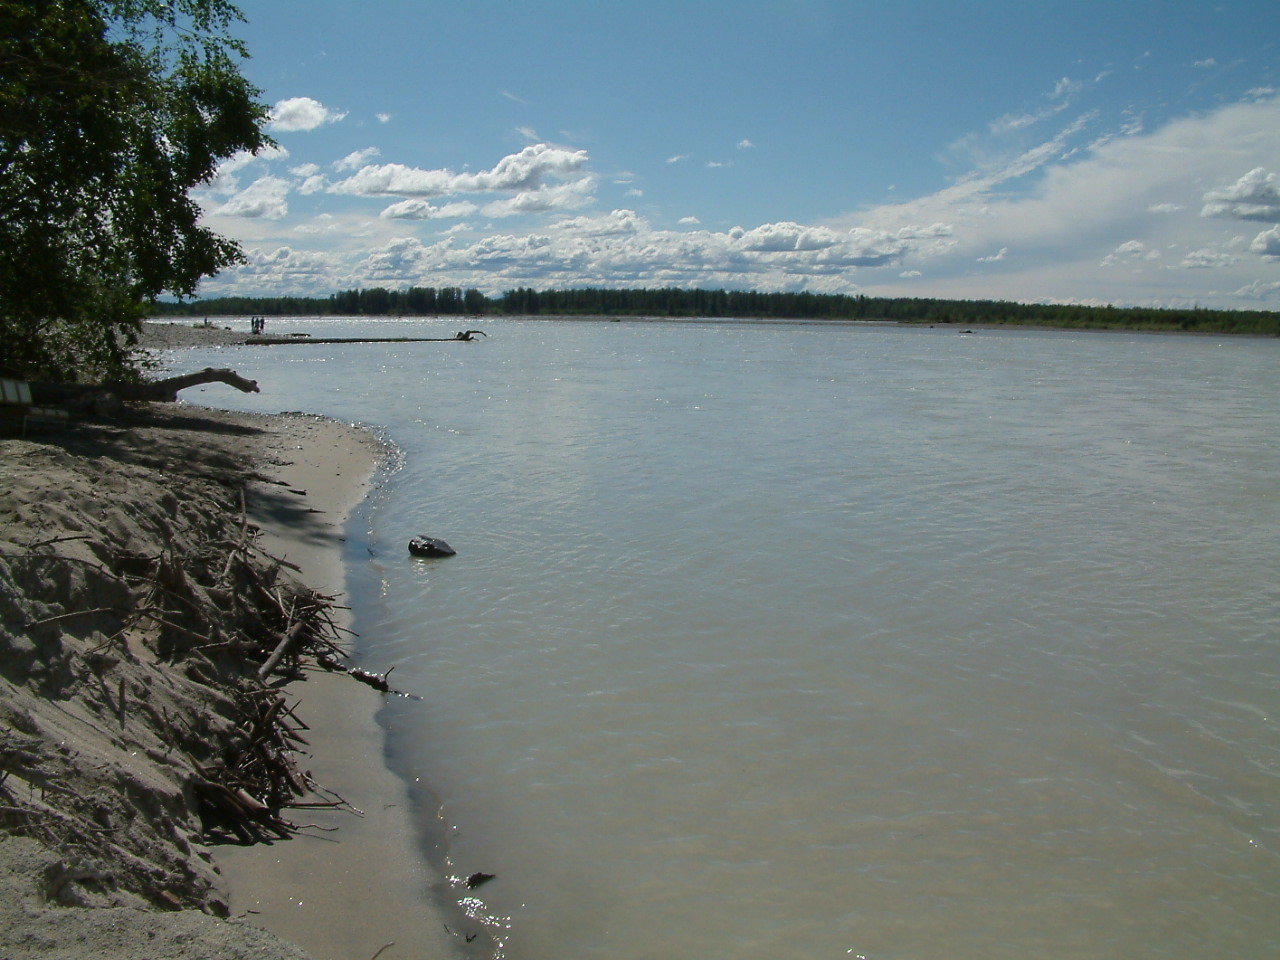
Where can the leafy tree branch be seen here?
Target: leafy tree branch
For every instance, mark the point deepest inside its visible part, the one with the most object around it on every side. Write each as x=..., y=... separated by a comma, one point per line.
x=110, y=112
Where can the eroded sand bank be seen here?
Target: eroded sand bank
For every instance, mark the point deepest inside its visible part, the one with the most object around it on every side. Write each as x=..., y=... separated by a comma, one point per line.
x=88, y=707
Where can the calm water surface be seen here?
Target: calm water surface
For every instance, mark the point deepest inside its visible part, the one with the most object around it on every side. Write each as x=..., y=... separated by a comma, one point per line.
x=811, y=641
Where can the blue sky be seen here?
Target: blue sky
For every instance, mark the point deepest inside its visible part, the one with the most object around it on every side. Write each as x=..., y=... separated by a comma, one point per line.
x=1116, y=152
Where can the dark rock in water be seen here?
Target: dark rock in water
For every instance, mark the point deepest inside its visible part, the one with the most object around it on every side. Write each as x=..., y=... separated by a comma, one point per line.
x=430, y=547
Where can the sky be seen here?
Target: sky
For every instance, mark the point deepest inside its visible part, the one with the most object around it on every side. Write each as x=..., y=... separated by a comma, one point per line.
x=1067, y=152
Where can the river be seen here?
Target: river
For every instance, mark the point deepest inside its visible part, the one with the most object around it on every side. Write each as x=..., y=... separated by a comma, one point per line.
x=824, y=640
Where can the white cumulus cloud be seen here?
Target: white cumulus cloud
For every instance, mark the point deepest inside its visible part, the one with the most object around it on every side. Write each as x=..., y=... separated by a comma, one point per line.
x=357, y=159
x=1129, y=252
x=1259, y=290
x=285, y=269
x=1267, y=243
x=265, y=199
x=395, y=179
x=1253, y=197
x=1207, y=259
x=226, y=178
x=544, y=199
x=525, y=171
x=422, y=210
x=298, y=114
x=313, y=184
x=615, y=224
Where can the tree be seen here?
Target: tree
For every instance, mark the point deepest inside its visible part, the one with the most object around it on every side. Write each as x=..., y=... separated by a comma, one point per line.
x=110, y=112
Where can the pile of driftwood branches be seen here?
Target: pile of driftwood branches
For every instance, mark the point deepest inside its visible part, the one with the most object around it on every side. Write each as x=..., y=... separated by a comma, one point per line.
x=226, y=618
x=269, y=628
x=145, y=640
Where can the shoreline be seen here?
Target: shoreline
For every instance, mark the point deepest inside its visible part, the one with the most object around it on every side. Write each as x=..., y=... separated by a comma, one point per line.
x=308, y=889
x=159, y=482
x=168, y=334
x=367, y=886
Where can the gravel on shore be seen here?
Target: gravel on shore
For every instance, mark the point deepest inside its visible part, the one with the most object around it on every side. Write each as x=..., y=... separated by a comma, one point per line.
x=177, y=335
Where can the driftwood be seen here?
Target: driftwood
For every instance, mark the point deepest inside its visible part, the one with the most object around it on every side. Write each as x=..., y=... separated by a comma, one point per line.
x=101, y=396
x=244, y=783
x=375, y=680
x=166, y=391
x=281, y=649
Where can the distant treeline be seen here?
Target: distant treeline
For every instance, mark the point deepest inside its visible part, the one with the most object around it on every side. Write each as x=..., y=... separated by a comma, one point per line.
x=373, y=302
x=432, y=301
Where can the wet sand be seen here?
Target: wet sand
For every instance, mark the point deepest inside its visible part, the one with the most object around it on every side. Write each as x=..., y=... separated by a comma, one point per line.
x=349, y=893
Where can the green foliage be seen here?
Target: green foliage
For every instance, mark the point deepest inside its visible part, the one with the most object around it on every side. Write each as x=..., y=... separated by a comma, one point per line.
x=110, y=112
x=369, y=302
x=812, y=306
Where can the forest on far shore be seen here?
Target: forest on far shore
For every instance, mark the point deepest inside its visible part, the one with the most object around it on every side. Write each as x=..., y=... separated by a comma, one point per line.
x=743, y=304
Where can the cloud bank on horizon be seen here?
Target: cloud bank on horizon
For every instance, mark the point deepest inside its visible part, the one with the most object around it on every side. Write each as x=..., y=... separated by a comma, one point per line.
x=1094, y=188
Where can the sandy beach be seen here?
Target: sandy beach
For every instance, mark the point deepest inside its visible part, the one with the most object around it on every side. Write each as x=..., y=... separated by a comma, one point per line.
x=128, y=550
x=336, y=894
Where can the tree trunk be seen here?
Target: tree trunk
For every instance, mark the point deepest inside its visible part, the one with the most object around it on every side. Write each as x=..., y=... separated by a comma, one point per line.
x=91, y=395
x=166, y=391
